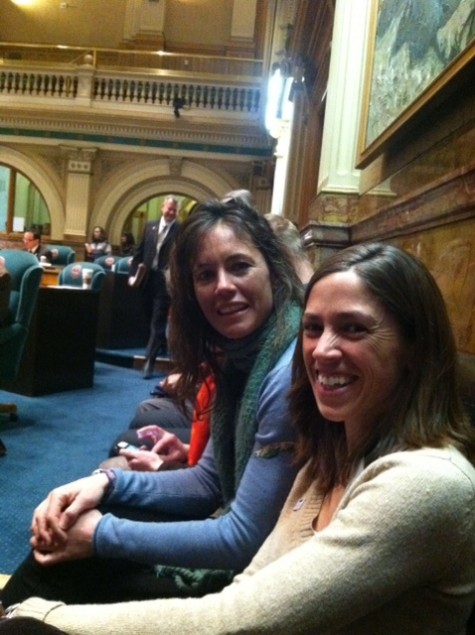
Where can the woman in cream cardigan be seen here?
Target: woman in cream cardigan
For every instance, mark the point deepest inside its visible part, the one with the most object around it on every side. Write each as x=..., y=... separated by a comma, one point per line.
x=378, y=533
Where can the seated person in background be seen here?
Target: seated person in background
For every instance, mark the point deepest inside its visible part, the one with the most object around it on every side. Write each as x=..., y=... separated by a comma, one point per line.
x=234, y=290
x=290, y=236
x=33, y=244
x=127, y=244
x=378, y=533
x=162, y=449
x=164, y=409
x=99, y=245
x=5, y=288
x=239, y=196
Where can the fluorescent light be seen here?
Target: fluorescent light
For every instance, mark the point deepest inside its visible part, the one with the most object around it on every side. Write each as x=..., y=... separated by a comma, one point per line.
x=279, y=108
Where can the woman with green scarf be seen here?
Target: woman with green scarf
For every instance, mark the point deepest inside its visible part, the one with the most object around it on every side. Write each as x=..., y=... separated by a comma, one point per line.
x=236, y=307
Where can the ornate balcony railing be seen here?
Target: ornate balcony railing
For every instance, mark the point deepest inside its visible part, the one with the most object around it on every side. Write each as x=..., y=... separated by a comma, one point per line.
x=34, y=83
x=103, y=78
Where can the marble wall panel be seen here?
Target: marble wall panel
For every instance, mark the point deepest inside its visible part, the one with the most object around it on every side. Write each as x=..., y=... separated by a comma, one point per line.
x=449, y=253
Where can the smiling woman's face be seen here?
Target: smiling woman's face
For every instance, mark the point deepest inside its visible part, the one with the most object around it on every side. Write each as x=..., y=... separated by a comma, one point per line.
x=232, y=283
x=353, y=351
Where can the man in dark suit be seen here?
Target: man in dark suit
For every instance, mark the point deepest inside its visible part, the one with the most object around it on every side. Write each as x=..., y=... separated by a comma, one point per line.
x=148, y=271
x=32, y=242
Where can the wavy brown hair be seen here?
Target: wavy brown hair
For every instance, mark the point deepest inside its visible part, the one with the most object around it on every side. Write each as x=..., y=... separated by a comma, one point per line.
x=426, y=409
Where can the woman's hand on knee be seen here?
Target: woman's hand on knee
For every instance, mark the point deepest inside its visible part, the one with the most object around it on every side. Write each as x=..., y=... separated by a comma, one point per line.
x=59, y=511
x=77, y=546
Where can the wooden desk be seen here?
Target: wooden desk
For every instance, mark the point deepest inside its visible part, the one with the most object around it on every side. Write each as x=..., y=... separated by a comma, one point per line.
x=60, y=348
x=122, y=322
x=50, y=276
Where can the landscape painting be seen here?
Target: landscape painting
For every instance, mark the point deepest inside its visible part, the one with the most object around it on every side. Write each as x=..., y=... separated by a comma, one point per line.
x=417, y=47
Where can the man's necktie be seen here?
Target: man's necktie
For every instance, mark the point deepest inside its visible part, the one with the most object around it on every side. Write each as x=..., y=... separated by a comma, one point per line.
x=160, y=238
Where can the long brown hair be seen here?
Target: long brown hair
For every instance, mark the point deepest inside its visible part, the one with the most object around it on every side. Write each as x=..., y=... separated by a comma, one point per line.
x=426, y=409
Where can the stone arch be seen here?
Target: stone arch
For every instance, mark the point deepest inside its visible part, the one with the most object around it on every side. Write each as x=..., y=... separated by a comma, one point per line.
x=43, y=178
x=133, y=184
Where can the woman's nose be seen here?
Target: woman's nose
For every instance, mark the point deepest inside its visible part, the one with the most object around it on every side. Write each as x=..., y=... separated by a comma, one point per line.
x=224, y=282
x=327, y=344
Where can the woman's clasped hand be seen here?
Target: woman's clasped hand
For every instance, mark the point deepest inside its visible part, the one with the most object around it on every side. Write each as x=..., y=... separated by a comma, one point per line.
x=64, y=523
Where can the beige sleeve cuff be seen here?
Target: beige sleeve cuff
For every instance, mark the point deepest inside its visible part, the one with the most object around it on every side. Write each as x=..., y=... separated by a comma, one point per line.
x=37, y=608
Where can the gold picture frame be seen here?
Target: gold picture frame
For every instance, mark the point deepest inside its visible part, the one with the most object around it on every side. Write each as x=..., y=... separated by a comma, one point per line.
x=417, y=51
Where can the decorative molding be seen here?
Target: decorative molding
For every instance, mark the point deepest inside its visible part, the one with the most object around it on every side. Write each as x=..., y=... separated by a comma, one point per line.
x=319, y=234
x=79, y=160
x=40, y=130
x=176, y=164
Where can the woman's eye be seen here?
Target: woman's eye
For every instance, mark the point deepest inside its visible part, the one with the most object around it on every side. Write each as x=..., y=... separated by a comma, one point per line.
x=312, y=329
x=240, y=268
x=354, y=329
x=203, y=276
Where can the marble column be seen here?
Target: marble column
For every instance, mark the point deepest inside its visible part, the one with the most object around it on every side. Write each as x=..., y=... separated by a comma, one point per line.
x=79, y=166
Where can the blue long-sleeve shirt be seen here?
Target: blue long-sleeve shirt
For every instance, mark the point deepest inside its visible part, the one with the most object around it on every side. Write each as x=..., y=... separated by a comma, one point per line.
x=229, y=541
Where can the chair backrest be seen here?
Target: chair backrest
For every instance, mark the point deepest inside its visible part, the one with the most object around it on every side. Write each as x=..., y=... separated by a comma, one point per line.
x=26, y=273
x=107, y=262
x=123, y=265
x=62, y=255
x=71, y=275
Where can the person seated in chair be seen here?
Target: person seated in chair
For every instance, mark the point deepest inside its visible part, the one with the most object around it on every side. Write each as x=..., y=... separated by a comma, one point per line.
x=99, y=245
x=33, y=244
x=127, y=244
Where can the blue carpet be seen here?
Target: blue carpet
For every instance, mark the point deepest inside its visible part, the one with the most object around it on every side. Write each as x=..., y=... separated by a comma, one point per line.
x=59, y=438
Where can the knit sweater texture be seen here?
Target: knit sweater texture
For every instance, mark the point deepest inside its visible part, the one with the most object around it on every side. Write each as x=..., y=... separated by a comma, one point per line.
x=397, y=558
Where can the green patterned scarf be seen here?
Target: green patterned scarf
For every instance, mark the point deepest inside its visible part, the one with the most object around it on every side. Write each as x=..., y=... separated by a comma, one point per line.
x=233, y=421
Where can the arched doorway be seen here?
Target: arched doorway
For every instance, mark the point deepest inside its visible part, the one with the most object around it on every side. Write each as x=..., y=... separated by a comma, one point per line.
x=22, y=205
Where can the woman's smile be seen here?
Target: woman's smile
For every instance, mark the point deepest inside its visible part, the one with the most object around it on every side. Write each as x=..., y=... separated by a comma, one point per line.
x=333, y=381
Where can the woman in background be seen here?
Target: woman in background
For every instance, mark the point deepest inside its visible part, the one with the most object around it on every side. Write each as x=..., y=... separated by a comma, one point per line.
x=127, y=244
x=99, y=245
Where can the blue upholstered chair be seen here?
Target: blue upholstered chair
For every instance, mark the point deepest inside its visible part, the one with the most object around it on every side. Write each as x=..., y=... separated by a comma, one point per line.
x=123, y=265
x=71, y=275
x=25, y=273
x=62, y=255
x=107, y=262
